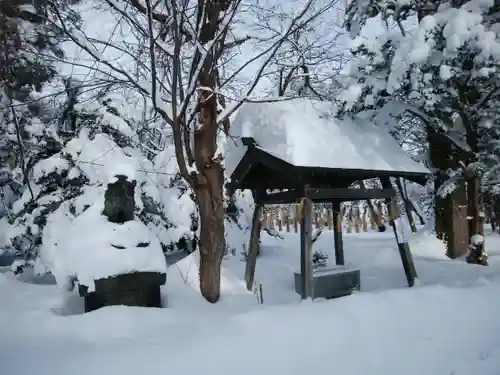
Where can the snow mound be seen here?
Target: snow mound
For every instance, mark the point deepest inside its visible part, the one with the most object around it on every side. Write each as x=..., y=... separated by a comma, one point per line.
x=304, y=133
x=184, y=280
x=89, y=247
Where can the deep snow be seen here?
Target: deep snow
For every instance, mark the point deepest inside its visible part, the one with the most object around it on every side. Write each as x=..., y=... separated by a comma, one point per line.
x=304, y=133
x=447, y=325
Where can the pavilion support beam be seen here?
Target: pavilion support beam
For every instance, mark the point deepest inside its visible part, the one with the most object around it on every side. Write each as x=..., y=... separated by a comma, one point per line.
x=325, y=195
x=337, y=234
x=397, y=225
x=306, y=263
x=347, y=194
x=283, y=197
x=253, y=248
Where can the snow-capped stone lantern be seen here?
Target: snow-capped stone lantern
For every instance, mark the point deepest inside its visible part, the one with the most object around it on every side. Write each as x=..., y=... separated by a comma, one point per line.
x=130, y=258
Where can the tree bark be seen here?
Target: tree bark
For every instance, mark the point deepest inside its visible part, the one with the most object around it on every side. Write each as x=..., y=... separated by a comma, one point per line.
x=476, y=254
x=211, y=244
x=208, y=189
x=475, y=213
x=208, y=185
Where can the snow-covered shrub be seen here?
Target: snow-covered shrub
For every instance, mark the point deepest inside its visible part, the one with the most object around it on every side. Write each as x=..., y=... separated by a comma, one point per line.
x=320, y=258
x=69, y=179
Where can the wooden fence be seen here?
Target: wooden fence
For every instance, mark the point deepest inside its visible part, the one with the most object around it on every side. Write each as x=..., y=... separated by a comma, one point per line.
x=285, y=218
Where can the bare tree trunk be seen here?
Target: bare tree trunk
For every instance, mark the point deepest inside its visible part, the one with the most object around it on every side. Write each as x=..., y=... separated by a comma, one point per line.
x=476, y=254
x=208, y=189
x=456, y=209
x=496, y=212
x=211, y=242
x=475, y=213
x=209, y=184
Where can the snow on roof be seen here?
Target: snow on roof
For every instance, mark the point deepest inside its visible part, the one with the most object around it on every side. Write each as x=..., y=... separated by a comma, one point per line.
x=303, y=133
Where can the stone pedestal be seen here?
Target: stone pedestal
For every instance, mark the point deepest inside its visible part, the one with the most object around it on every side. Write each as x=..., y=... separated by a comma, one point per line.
x=132, y=289
x=331, y=282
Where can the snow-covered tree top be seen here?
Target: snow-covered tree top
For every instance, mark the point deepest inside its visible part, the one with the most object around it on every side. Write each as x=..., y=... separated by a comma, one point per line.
x=304, y=133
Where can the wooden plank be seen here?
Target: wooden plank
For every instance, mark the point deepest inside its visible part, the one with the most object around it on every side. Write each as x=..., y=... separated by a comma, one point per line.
x=282, y=197
x=253, y=248
x=347, y=193
x=306, y=267
x=403, y=246
x=325, y=195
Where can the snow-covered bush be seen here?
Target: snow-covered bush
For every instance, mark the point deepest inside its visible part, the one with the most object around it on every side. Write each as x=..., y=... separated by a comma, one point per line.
x=68, y=180
x=320, y=259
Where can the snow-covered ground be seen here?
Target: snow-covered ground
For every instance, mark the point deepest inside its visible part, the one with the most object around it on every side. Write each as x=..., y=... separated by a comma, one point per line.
x=448, y=325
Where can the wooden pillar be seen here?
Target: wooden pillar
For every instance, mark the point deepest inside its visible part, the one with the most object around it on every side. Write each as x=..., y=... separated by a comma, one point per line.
x=296, y=218
x=280, y=219
x=329, y=218
x=407, y=204
x=337, y=234
x=317, y=216
x=397, y=226
x=306, y=267
x=253, y=248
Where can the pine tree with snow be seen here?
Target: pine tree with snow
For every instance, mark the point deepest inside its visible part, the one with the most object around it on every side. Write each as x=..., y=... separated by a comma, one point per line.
x=28, y=43
x=67, y=182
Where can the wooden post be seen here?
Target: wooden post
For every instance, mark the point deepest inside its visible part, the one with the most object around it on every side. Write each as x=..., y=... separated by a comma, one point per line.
x=380, y=208
x=365, y=219
x=329, y=218
x=280, y=219
x=306, y=269
x=253, y=248
x=337, y=234
x=349, y=220
x=296, y=218
x=408, y=207
x=403, y=246
x=357, y=218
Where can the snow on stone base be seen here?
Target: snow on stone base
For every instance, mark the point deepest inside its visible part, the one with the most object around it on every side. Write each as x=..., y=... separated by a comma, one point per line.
x=90, y=248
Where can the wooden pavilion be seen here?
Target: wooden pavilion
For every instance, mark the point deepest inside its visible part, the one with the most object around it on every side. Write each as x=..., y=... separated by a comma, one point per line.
x=274, y=180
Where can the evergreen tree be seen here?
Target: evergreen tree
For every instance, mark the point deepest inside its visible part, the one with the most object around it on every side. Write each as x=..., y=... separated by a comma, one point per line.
x=29, y=46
